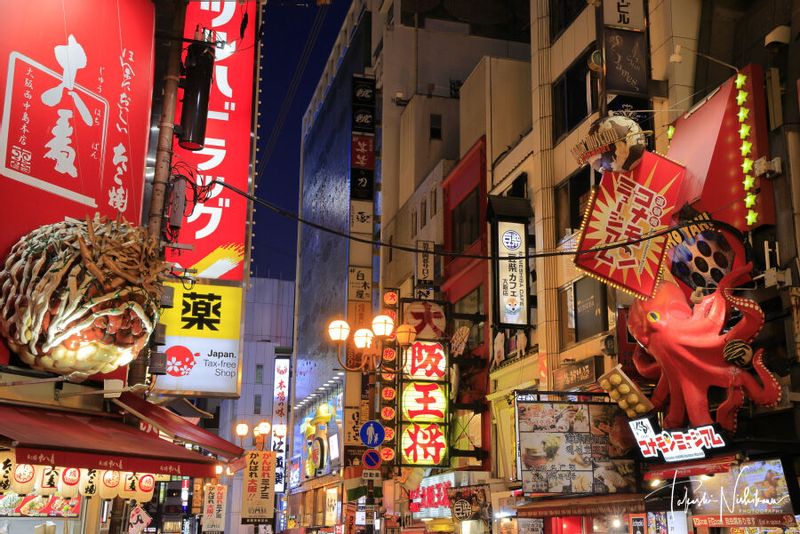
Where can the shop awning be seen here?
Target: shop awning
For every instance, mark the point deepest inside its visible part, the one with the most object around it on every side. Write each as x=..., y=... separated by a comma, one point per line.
x=611, y=504
x=177, y=427
x=52, y=437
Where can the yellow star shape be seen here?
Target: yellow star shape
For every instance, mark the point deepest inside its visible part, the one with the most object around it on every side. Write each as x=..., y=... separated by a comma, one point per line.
x=746, y=148
x=743, y=114
x=749, y=182
x=740, y=80
x=670, y=131
x=747, y=165
x=750, y=200
x=741, y=97
x=752, y=217
x=744, y=131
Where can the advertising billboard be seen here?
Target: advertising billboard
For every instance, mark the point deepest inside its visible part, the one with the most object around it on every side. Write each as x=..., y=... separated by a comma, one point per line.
x=216, y=228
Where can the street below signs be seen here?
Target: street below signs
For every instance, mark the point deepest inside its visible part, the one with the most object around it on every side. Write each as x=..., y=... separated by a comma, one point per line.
x=371, y=474
x=371, y=459
x=372, y=433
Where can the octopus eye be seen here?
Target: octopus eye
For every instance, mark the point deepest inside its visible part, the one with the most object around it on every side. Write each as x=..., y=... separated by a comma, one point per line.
x=653, y=317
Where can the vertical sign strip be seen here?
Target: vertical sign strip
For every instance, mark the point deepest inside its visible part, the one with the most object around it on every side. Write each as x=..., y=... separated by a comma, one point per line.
x=280, y=421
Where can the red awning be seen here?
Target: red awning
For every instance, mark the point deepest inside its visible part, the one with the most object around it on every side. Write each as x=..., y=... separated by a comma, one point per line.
x=611, y=504
x=177, y=427
x=51, y=437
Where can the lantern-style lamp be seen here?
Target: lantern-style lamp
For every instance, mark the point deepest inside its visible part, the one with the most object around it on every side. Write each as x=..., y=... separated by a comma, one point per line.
x=363, y=338
x=338, y=330
x=262, y=429
x=406, y=335
x=382, y=325
x=241, y=430
x=218, y=469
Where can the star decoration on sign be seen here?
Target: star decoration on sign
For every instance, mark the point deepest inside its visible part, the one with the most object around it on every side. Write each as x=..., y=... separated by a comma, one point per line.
x=750, y=200
x=749, y=182
x=744, y=131
x=743, y=114
x=747, y=165
x=746, y=148
x=741, y=79
x=741, y=98
x=752, y=217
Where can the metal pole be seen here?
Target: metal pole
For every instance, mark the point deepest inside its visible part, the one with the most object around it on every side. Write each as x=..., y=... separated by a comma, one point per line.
x=166, y=124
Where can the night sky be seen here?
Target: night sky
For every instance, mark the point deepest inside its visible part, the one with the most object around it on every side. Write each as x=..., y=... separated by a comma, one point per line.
x=287, y=28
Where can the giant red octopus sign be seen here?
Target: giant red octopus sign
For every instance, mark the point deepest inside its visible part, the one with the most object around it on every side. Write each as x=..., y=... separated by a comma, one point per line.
x=684, y=348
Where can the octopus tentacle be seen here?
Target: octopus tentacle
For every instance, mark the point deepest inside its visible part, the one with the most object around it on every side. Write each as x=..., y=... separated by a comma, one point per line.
x=767, y=395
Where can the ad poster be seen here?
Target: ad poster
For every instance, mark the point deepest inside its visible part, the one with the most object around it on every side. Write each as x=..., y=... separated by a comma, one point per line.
x=258, y=487
x=470, y=503
x=214, y=508
x=570, y=448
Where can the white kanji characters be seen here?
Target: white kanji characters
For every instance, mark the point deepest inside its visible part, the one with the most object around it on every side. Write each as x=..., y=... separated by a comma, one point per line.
x=60, y=146
x=118, y=198
x=72, y=58
x=225, y=9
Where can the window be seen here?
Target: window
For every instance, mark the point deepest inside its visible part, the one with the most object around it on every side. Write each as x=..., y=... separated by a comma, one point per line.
x=413, y=224
x=259, y=374
x=572, y=197
x=583, y=311
x=257, y=404
x=423, y=213
x=390, y=250
x=470, y=304
x=433, y=203
x=519, y=188
x=465, y=227
x=562, y=14
x=574, y=96
x=436, y=126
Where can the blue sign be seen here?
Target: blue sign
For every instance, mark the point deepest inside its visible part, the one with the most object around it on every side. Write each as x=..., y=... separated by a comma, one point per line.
x=371, y=459
x=372, y=433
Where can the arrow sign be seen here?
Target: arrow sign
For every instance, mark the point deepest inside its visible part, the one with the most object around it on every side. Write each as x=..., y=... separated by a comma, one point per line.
x=371, y=459
x=372, y=433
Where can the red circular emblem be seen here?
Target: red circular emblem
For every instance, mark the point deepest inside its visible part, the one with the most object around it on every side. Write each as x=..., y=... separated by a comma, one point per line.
x=390, y=298
x=387, y=454
x=388, y=393
x=387, y=413
x=111, y=479
x=70, y=476
x=389, y=354
x=147, y=482
x=23, y=473
x=387, y=376
x=389, y=431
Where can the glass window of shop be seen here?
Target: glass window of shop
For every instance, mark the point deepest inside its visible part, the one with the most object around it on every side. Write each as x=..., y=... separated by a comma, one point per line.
x=465, y=227
x=472, y=303
x=572, y=198
x=583, y=311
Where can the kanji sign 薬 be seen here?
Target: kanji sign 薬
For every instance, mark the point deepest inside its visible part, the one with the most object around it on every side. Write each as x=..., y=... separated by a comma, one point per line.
x=258, y=485
x=75, y=111
x=202, y=340
x=216, y=228
x=629, y=206
x=280, y=415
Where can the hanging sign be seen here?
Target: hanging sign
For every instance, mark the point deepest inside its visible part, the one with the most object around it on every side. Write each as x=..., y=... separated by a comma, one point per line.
x=258, y=487
x=425, y=272
x=511, y=274
x=214, y=508
x=675, y=446
x=470, y=503
x=280, y=414
x=627, y=14
x=427, y=318
x=138, y=520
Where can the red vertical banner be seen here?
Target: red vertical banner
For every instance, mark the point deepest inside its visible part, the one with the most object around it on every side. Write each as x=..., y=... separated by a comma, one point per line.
x=216, y=229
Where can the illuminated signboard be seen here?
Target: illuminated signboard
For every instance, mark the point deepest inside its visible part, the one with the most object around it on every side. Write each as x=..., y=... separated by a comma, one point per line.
x=202, y=341
x=280, y=414
x=216, y=228
x=512, y=274
x=424, y=408
x=430, y=500
x=675, y=446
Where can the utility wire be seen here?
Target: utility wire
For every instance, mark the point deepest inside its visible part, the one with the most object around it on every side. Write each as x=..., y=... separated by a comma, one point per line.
x=548, y=254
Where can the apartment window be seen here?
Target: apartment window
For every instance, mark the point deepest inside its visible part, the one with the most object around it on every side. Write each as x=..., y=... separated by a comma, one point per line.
x=465, y=227
x=413, y=224
x=423, y=213
x=574, y=96
x=471, y=304
x=259, y=374
x=436, y=126
x=572, y=198
x=583, y=311
x=519, y=187
x=257, y=404
x=433, y=203
x=562, y=14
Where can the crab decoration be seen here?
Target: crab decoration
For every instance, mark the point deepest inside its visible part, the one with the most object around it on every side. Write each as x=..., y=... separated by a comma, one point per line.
x=691, y=348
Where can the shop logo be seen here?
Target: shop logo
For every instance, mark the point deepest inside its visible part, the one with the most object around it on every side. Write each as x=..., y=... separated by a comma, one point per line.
x=180, y=360
x=511, y=240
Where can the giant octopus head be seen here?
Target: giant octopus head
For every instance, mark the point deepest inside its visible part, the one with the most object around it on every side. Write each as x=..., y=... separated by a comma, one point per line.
x=663, y=310
x=80, y=295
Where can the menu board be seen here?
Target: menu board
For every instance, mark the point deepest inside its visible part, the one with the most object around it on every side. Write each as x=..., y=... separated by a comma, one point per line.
x=571, y=448
x=14, y=505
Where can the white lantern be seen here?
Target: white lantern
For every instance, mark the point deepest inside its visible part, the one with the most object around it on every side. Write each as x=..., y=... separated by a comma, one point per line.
x=130, y=481
x=90, y=480
x=68, y=482
x=47, y=479
x=144, y=490
x=109, y=484
x=6, y=470
x=24, y=479
x=363, y=338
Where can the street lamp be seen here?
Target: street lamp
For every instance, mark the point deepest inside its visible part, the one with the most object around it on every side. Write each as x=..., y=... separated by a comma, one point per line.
x=241, y=430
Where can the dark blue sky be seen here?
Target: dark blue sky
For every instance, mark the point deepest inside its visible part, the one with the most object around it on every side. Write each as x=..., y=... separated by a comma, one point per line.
x=287, y=29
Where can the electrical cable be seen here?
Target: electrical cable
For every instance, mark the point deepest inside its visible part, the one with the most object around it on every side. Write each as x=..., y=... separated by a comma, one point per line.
x=619, y=244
